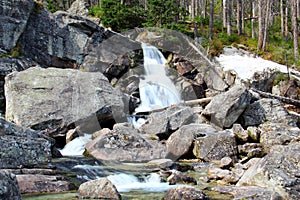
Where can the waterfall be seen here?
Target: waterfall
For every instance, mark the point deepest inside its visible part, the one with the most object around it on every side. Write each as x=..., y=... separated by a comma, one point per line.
x=77, y=146
x=156, y=88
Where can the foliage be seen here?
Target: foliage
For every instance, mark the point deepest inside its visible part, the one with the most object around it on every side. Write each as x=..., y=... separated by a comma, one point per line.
x=53, y=6
x=95, y=11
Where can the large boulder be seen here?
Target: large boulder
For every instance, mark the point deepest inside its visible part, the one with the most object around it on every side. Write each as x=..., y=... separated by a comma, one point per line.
x=270, y=110
x=124, y=143
x=100, y=188
x=9, y=188
x=279, y=171
x=180, y=143
x=56, y=98
x=272, y=134
x=215, y=145
x=14, y=17
x=225, y=108
x=8, y=65
x=21, y=147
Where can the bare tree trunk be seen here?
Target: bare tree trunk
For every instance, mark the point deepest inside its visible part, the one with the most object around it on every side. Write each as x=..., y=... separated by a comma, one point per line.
x=192, y=14
x=239, y=17
x=298, y=9
x=211, y=18
x=253, y=20
x=286, y=19
x=225, y=3
x=260, y=25
x=295, y=28
x=282, y=18
x=228, y=20
x=267, y=21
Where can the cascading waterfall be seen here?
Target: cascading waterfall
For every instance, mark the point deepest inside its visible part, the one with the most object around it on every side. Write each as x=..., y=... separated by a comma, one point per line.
x=156, y=88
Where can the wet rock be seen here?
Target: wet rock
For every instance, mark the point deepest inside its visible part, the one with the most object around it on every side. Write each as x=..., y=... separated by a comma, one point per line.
x=169, y=120
x=180, y=143
x=185, y=193
x=14, y=17
x=215, y=145
x=124, y=143
x=279, y=171
x=98, y=189
x=217, y=173
x=161, y=164
x=23, y=147
x=248, y=192
x=53, y=99
x=9, y=186
x=38, y=183
x=177, y=177
x=225, y=108
x=270, y=110
x=277, y=133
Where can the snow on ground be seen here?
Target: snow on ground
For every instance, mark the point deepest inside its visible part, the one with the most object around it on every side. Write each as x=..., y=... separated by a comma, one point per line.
x=245, y=66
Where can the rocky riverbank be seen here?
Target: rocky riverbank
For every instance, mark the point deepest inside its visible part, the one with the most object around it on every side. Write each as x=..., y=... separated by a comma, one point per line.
x=63, y=76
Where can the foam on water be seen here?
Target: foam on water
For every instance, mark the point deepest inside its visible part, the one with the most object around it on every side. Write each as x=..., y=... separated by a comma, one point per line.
x=77, y=146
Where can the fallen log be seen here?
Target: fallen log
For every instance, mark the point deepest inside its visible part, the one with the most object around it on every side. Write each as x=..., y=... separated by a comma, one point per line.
x=280, y=98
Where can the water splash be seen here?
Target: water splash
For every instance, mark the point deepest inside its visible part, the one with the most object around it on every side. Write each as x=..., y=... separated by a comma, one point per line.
x=156, y=89
x=126, y=183
x=77, y=146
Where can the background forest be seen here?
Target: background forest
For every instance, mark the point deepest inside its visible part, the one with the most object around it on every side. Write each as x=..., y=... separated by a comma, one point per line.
x=268, y=28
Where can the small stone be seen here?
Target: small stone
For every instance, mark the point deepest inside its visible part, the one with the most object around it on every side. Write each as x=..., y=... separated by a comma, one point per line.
x=185, y=193
x=226, y=162
x=240, y=133
x=254, y=133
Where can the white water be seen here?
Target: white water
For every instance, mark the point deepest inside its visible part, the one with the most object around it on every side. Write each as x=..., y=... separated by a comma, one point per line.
x=77, y=146
x=127, y=183
x=156, y=89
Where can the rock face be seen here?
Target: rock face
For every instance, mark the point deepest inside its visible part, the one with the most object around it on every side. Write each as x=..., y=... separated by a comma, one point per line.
x=53, y=98
x=22, y=147
x=214, y=145
x=185, y=193
x=9, y=186
x=13, y=16
x=124, y=143
x=279, y=170
x=98, y=189
x=59, y=39
x=263, y=110
x=225, y=108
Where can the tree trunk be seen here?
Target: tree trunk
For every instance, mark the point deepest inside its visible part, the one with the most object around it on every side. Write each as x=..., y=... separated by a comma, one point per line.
x=260, y=25
x=282, y=18
x=225, y=3
x=253, y=20
x=295, y=28
x=228, y=16
x=211, y=18
x=286, y=19
x=239, y=17
x=266, y=23
x=192, y=15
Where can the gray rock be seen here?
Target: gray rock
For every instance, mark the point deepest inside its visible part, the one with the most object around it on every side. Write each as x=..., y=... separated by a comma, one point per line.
x=277, y=133
x=263, y=80
x=185, y=193
x=59, y=39
x=100, y=188
x=180, y=143
x=14, y=17
x=38, y=183
x=79, y=7
x=161, y=163
x=124, y=143
x=240, y=133
x=9, y=186
x=225, y=108
x=279, y=171
x=169, y=120
x=251, y=150
x=177, y=177
x=263, y=110
x=214, y=145
x=226, y=162
x=55, y=98
x=23, y=147
x=254, y=133
x=248, y=192
x=8, y=65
